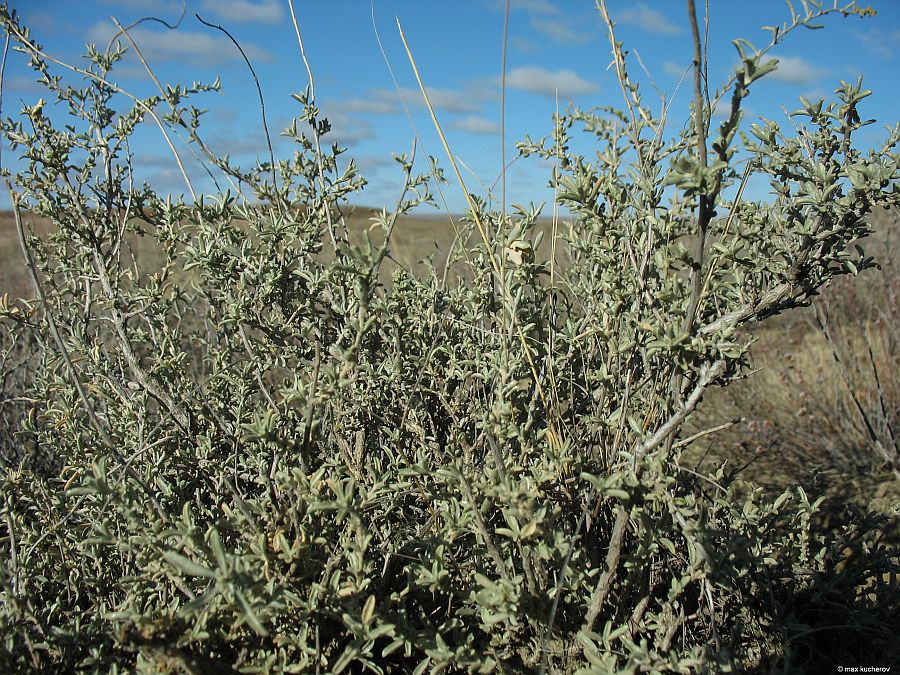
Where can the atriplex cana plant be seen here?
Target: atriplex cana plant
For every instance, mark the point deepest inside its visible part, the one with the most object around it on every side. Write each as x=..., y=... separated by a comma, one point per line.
x=265, y=458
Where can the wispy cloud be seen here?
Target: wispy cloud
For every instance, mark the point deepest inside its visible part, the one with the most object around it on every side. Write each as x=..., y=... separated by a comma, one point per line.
x=797, y=70
x=476, y=125
x=879, y=42
x=539, y=80
x=370, y=106
x=448, y=100
x=348, y=129
x=548, y=20
x=673, y=69
x=444, y=99
x=147, y=6
x=166, y=181
x=43, y=21
x=370, y=164
x=191, y=47
x=246, y=11
x=722, y=108
x=230, y=116
x=153, y=161
x=559, y=30
x=523, y=45
x=252, y=143
x=646, y=18
x=22, y=84
x=536, y=6
x=531, y=6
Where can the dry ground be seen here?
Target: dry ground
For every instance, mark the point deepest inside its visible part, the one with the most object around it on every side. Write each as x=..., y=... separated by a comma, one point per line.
x=415, y=238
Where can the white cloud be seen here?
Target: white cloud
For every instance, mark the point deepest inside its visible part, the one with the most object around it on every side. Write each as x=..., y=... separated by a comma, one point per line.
x=879, y=42
x=548, y=82
x=449, y=100
x=370, y=164
x=250, y=142
x=648, y=19
x=152, y=6
x=369, y=106
x=523, y=45
x=22, y=84
x=42, y=21
x=151, y=161
x=796, y=70
x=559, y=30
x=444, y=99
x=347, y=129
x=532, y=6
x=225, y=115
x=536, y=6
x=246, y=11
x=722, y=108
x=190, y=47
x=170, y=181
x=673, y=69
x=129, y=70
x=476, y=125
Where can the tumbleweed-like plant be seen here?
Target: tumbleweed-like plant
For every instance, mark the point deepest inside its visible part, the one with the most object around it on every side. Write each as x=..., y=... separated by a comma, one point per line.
x=263, y=458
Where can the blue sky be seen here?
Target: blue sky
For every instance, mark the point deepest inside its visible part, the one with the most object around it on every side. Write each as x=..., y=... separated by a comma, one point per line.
x=555, y=46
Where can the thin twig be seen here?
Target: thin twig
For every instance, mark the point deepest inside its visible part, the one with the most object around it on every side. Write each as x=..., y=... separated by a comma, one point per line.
x=308, y=415
x=312, y=82
x=705, y=207
x=503, y=109
x=457, y=233
x=492, y=257
x=395, y=216
x=230, y=174
x=706, y=432
x=560, y=580
x=259, y=92
x=881, y=397
x=604, y=583
x=892, y=462
x=2, y=80
x=482, y=528
x=316, y=137
x=707, y=375
x=119, y=322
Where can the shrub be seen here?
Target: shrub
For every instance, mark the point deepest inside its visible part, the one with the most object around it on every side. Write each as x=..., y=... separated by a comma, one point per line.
x=270, y=461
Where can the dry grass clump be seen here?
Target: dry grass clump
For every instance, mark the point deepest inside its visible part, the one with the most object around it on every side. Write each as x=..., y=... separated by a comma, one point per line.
x=824, y=405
